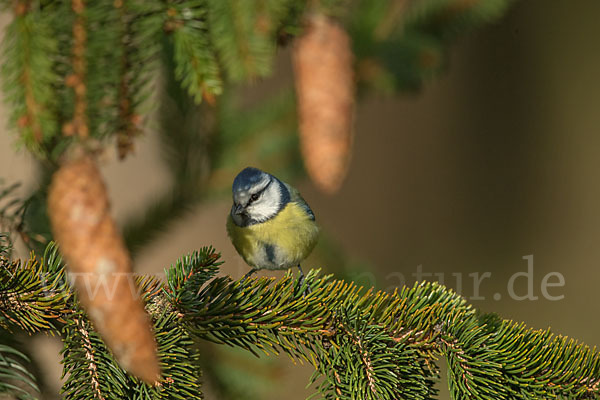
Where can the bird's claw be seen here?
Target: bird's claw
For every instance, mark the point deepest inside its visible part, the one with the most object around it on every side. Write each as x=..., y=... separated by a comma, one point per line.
x=248, y=275
x=308, y=289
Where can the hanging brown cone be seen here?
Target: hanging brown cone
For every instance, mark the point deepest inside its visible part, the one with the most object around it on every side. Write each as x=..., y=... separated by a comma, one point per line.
x=325, y=90
x=100, y=266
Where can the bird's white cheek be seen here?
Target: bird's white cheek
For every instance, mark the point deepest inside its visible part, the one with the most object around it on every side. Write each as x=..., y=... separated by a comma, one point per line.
x=262, y=211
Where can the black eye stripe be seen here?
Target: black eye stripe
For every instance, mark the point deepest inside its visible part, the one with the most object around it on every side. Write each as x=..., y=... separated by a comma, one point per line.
x=256, y=195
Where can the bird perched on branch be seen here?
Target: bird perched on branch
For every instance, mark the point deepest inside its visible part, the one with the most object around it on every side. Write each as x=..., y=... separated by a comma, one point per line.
x=270, y=224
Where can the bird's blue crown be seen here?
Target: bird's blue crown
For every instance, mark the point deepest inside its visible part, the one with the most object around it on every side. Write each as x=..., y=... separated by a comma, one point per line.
x=249, y=177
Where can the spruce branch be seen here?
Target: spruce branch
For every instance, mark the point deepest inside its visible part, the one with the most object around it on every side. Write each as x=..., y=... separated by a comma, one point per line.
x=368, y=344
x=78, y=126
x=195, y=63
x=92, y=372
x=135, y=47
x=104, y=88
x=34, y=294
x=86, y=68
x=243, y=33
x=128, y=121
x=29, y=49
x=138, y=57
x=15, y=379
x=363, y=343
x=91, y=380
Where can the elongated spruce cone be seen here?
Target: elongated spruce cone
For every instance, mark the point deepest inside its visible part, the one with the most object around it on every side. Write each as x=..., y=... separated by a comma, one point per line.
x=325, y=89
x=100, y=266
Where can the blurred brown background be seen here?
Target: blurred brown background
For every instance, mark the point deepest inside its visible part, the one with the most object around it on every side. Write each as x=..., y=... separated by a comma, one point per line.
x=496, y=160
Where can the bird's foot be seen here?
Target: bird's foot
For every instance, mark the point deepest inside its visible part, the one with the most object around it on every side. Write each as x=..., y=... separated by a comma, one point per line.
x=248, y=275
x=308, y=290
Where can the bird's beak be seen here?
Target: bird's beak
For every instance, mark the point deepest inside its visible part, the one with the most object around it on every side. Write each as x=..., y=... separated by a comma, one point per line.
x=238, y=209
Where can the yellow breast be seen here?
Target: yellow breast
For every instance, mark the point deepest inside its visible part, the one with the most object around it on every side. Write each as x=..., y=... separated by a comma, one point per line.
x=281, y=242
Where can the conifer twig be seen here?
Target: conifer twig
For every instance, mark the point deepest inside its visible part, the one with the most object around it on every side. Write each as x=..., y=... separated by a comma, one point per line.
x=89, y=350
x=32, y=107
x=128, y=119
x=78, y=125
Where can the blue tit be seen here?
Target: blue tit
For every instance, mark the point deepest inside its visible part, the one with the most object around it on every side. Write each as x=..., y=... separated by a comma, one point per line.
x=270, y=224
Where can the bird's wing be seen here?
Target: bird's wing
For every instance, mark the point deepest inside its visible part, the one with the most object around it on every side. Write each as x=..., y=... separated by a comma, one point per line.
x=297, y=198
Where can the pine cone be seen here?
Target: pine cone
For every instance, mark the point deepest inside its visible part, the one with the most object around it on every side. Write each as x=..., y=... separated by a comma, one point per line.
x=100, y=266
x=325, y=89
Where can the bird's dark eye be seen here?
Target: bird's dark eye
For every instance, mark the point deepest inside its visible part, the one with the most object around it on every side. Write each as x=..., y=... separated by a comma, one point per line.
x=254, y=197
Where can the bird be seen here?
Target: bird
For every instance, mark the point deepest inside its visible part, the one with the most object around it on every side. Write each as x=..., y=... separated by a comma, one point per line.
x=270, y=225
